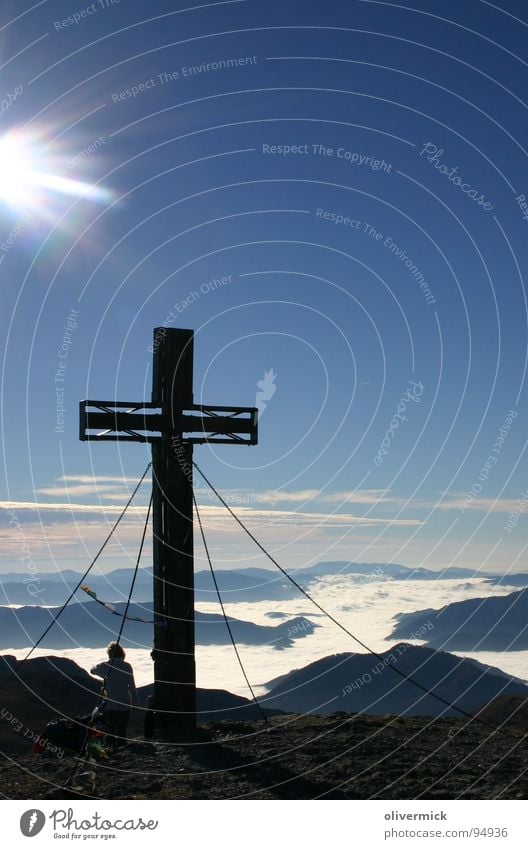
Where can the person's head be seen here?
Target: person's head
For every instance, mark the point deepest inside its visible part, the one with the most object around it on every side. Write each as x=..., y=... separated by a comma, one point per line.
x=115, y=650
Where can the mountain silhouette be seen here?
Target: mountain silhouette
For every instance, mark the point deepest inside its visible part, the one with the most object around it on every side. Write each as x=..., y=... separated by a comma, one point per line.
x=342, y=755
x=478, y=624
x=362, y=683
x=53, y=588
x=236, y=585
x=91, y=625
x=50, y=687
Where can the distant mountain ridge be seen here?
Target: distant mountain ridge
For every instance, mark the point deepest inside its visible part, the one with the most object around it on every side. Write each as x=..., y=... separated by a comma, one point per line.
x=361, y=683
x=54, y=588
x=237, y=585
x=91, y=625
x=497, y=623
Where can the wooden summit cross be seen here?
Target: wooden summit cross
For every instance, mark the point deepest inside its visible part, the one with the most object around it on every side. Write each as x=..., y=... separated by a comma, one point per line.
x=173, y=424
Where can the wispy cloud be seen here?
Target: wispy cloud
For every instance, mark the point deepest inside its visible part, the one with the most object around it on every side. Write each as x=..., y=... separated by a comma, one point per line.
x=120, y=486
x=69, y=534
x=481, y=505
x=82, y=489
x=101, y=484
x=301, y=517
x=218, y=513
x=70, y=518
x=75, y=486
x=43, y=507
x=96, y=478
x=301, y=496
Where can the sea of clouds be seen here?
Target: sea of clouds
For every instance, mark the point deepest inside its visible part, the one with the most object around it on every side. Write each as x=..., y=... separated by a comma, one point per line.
x=365, y=607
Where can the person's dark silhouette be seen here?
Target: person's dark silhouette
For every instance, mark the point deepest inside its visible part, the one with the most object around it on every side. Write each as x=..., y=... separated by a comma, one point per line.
x=119, y=691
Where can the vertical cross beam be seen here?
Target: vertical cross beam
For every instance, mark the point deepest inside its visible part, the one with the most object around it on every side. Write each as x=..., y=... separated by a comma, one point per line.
x=174, y=646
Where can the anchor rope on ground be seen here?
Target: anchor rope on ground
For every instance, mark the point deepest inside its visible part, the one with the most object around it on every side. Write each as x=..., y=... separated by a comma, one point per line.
x=224, y=614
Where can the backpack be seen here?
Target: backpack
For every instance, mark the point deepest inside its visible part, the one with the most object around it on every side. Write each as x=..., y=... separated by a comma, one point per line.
x=63, y=733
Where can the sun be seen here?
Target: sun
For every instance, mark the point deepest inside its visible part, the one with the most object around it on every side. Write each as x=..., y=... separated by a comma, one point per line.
x=30, y=177
x=16, y=165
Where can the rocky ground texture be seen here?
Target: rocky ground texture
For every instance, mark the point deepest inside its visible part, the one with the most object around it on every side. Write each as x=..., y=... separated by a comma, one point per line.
x=292, y=757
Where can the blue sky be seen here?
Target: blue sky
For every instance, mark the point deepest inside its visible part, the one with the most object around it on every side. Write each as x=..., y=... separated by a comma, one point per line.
x=331, y=192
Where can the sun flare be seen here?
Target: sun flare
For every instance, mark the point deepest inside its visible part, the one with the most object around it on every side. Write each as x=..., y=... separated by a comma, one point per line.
x=15, y=169
x=29, y=177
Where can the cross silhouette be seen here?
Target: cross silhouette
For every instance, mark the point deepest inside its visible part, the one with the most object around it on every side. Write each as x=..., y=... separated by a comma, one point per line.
x=172, y=423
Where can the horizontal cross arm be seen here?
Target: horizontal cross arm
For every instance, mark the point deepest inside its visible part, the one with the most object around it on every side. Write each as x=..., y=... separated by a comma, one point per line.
x=110, y=420
x=135, y=422
x=218, y=425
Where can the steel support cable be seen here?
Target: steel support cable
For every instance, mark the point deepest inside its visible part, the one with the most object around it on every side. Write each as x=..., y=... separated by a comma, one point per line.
x=301, y=589
x=124, y=618
x=15, y=669
x=226, y=620
x=140, y=552
x=84, y=757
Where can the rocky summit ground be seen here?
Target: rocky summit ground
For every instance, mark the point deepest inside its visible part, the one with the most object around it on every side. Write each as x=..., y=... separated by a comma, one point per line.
x=293, y=757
